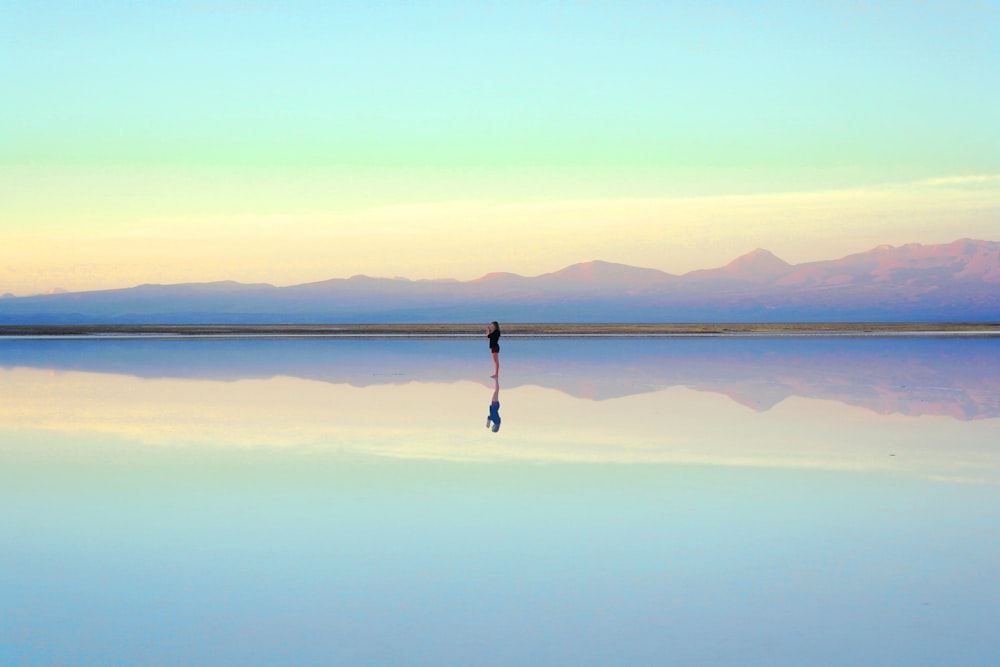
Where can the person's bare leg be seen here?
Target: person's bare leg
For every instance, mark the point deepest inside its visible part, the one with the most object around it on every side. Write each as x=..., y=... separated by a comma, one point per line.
x=496, y=365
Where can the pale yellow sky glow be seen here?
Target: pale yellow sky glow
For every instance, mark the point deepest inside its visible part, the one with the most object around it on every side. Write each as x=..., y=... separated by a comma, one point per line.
x=467, y=239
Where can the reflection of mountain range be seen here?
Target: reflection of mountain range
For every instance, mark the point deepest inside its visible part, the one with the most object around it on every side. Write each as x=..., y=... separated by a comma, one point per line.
x=959, y=281
x=956, y=377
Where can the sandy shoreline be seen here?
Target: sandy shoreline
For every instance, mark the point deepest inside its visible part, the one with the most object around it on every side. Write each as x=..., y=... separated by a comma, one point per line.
x=513, y=330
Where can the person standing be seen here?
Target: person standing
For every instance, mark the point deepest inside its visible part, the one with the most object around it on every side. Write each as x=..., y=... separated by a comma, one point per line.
x=493, y=331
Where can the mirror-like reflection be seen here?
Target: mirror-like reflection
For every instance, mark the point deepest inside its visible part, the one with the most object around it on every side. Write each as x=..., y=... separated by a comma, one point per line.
x=773, y=501
x=958, y=377
x=925, y=408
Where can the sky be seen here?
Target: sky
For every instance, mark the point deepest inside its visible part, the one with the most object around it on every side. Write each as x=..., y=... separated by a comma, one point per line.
x=289, y=142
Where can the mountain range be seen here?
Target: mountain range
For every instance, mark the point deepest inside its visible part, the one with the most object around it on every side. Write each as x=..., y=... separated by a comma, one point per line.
x=958, y=281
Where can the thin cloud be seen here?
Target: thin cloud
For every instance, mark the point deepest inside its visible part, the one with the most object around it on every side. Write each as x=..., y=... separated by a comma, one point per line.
x=978, y=180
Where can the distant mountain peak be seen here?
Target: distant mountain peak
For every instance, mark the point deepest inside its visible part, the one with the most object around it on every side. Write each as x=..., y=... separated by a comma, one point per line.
x=600, y=271
x=758, y=265
x=498, y=276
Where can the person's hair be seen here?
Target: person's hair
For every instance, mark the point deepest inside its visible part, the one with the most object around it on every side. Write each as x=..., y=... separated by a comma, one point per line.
x=496, y=325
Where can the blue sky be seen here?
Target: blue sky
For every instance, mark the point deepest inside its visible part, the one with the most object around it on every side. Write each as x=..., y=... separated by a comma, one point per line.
x=326, y=139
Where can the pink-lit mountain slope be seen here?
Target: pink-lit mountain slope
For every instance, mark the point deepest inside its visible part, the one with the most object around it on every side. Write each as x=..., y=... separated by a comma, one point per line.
x=912, y=265
x=958, y=281
x=758, y=266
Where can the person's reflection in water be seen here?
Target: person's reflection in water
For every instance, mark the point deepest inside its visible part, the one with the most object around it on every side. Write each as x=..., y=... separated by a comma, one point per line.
x=493, y=421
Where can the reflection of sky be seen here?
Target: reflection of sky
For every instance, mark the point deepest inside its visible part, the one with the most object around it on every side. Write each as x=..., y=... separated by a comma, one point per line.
x=166, y=512
x=913, y=407
x=959, y=377
x=118, y=554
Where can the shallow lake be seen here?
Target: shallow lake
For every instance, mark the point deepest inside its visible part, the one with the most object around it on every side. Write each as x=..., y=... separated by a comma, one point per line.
x=642, y=501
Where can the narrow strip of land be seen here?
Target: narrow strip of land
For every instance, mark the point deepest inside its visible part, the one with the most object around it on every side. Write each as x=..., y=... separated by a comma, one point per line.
x=513, y=329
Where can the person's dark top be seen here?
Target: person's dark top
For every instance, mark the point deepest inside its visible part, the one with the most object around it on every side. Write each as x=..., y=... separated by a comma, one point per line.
x=495, y=340
x=494, y=417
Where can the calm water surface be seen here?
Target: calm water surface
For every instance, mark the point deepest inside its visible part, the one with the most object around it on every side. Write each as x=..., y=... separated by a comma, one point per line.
x=643, y=502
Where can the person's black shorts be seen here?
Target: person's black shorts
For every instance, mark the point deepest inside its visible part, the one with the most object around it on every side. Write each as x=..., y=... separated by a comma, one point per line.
x=494, y=348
